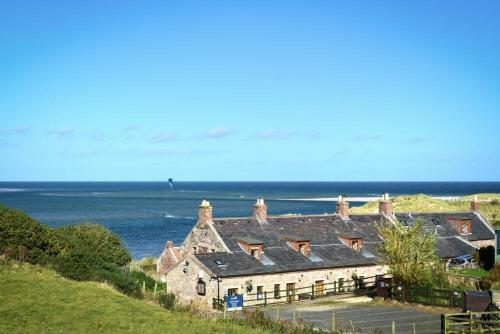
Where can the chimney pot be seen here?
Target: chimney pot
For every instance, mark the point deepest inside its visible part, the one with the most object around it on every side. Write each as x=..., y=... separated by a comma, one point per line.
x=342, y=207
x=385, y=205
x=260, y=210
x=204, y=213
x=475, y=205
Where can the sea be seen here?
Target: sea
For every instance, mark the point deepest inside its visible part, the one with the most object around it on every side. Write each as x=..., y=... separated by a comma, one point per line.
x=147, y=214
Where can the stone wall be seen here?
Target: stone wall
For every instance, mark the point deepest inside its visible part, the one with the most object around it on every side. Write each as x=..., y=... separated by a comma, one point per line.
x=184, y=283
x=204, y=239
x=483, y=243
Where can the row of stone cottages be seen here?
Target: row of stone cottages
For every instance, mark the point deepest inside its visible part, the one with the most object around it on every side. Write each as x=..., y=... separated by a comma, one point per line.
x=280, y=254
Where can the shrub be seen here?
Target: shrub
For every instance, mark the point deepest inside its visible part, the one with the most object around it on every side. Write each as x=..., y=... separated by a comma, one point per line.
x=115, y=277
x=101, y=240
x=18, y=229
x=140, y=277
x=487, y=257
x=495, y=273
x=148, y=264
x=78, y=264
x=167, y=300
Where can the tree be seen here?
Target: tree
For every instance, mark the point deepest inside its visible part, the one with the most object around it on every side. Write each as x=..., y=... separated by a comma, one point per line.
x=410, y=254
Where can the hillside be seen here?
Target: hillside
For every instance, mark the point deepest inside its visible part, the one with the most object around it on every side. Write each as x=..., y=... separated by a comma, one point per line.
x=37, y=300
x=423, y=203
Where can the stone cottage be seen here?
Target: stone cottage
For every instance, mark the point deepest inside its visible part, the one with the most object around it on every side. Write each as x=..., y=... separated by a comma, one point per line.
x=279, y=255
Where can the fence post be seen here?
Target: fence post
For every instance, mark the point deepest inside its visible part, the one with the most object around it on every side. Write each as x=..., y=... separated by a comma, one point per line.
x=265, y=298
x=451, y=298
x=278, y=313
x=334, y=287
x=154, y=292
x=470, y=319
x=444, y=325
x=393, y=327
x=312, y=291
x=430, y=296
x=334, y=323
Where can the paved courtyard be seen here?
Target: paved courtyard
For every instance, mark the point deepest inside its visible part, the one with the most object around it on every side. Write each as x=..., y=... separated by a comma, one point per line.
x=365, y=317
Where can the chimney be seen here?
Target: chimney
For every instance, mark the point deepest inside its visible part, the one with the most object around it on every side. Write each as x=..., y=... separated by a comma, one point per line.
x=342, y=207
x=170, y=244
x=385, y=205
x=260, y=210
x=475, y=204
x=204, y=213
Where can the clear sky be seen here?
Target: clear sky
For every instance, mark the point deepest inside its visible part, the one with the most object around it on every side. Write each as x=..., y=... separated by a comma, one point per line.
x=254, y=90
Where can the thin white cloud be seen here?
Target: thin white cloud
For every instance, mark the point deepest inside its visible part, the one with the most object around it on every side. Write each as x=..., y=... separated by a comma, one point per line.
x=163, y=137
x=62, y=133
x=15, y=131
x=132, y=127
x=217, y=132
x=276, y=134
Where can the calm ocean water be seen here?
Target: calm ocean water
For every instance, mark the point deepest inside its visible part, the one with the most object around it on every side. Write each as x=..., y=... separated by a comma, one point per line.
x=146, y=214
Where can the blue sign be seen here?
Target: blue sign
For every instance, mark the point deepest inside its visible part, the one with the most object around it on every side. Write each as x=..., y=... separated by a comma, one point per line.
x=234, y=302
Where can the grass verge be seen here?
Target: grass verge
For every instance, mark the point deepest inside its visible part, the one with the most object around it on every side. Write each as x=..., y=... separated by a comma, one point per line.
x=37, y=300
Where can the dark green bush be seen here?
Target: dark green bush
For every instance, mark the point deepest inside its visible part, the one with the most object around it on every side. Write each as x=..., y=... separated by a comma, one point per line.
x=487, y=257
x=167, y=300
x=113, y=275
x=78, y=264
x=100, y=240
x=18, y=229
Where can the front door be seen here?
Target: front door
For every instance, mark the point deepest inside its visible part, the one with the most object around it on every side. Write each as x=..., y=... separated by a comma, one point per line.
x=319, y=288
x=290, y=292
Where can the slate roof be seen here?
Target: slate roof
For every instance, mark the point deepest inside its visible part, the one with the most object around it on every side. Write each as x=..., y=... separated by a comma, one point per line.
x=450, y=247
x=479, y=230
x=323, y=232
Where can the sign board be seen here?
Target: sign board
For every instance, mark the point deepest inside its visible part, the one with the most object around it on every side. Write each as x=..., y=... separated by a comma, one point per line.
x=234, y=302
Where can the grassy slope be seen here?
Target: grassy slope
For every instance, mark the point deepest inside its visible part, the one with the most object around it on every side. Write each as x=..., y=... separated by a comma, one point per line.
x=37, y=300
x=422, y=203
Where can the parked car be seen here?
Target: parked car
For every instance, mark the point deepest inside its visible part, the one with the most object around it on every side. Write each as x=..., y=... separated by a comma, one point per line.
x=463, y=261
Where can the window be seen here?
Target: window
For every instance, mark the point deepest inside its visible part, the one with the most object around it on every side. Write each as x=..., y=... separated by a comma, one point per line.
x=302, y=249
x=465, y=228
x=355, y=245
x=260, y=292
x=435, y=221
x=194, y=250
x=232, y=292
x=201, y=287
x=254, y=251
x=277, y=291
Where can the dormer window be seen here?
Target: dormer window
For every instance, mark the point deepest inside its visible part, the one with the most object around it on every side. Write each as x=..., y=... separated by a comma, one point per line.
x=252, y=247
x=461, y=225
x=254, y=251
x=354, y=242
x=299, y=245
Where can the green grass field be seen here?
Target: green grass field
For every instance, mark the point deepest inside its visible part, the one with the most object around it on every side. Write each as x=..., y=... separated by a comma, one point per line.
x=37, y=300
x=422, y=203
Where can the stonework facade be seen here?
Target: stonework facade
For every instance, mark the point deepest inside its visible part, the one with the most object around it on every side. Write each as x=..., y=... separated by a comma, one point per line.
x=262, y=253
x=183, y=279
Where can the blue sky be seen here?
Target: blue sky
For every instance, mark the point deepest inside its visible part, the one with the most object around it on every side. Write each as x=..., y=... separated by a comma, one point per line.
x=256, y=90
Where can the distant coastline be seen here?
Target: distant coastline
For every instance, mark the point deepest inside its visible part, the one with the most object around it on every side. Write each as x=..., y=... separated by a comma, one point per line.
x=362, y=199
